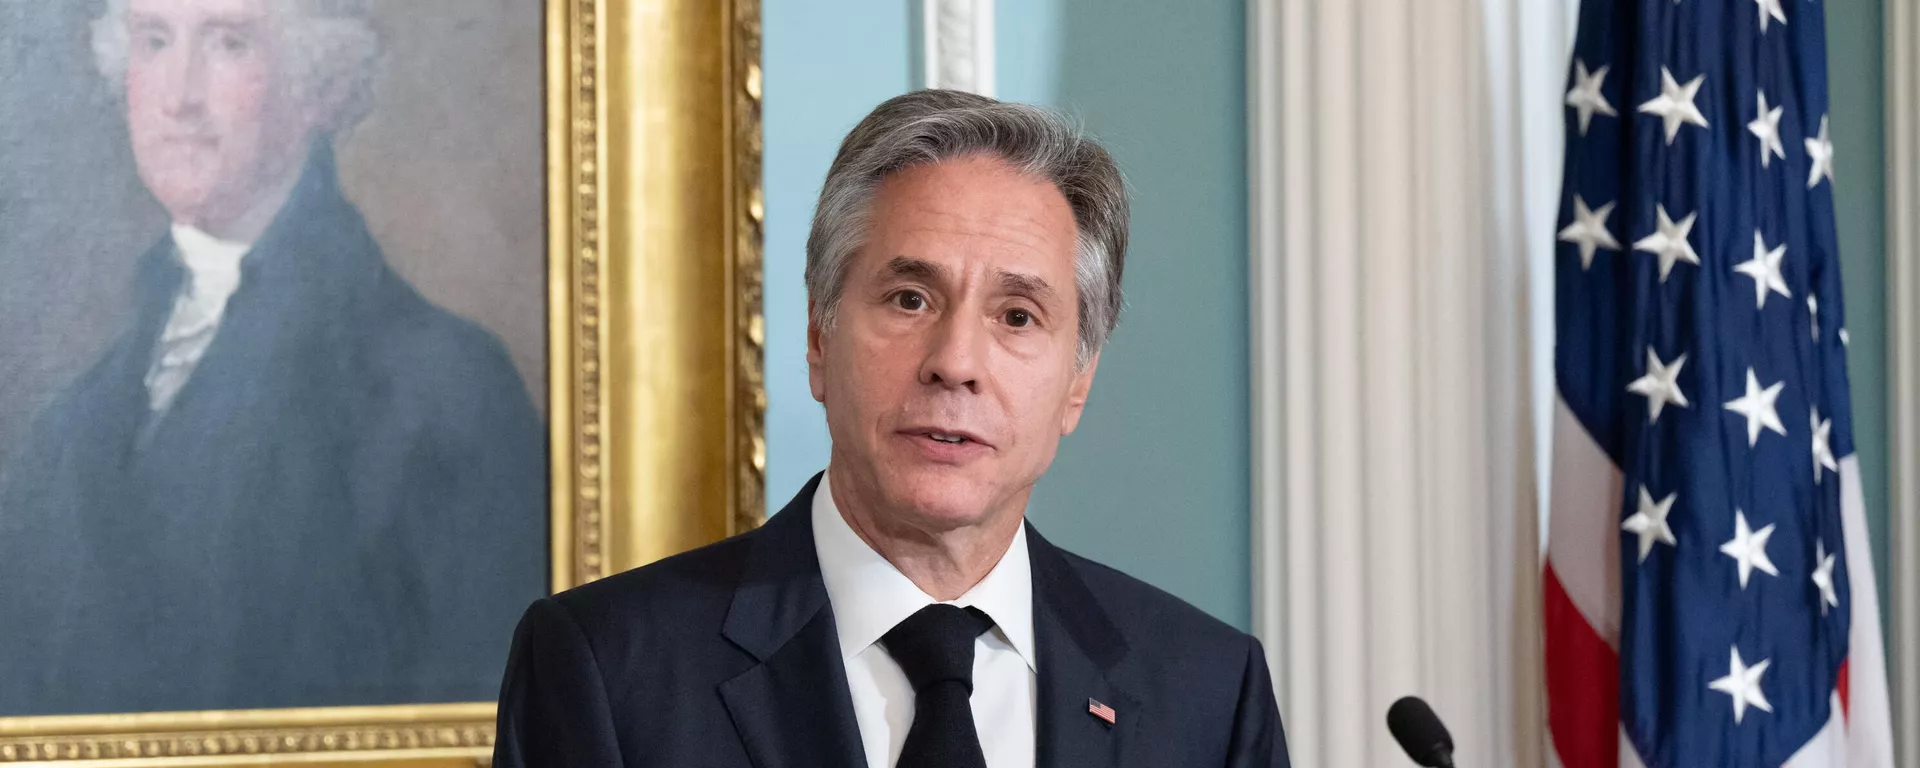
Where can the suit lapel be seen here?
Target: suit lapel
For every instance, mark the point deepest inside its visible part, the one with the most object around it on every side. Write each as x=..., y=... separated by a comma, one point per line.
x=1079, y=650
x=793, y=708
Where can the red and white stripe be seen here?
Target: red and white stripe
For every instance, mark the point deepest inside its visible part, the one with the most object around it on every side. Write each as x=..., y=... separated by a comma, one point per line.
x=1580, y=592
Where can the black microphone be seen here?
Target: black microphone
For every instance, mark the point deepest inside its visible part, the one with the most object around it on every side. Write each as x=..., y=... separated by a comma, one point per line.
x=1420, y=733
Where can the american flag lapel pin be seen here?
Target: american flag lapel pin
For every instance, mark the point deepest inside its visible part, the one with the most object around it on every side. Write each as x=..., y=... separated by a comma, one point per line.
x=1099, y=710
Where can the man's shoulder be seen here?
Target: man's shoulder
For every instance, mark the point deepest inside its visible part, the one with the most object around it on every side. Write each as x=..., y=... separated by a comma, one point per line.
x=424, y=357
x=1146, y=615
x=690, y=591
x=410, y=330
x=1167, y=651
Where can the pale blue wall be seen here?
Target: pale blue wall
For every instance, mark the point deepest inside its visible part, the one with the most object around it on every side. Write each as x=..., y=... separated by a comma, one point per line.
x=826, y=63
x=1155, y=482
x=1857, y=82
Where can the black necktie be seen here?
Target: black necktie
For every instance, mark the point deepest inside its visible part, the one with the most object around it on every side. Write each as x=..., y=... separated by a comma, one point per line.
x=935, y=648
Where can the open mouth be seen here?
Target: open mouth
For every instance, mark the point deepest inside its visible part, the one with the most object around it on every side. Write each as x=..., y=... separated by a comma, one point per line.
x=946, y=437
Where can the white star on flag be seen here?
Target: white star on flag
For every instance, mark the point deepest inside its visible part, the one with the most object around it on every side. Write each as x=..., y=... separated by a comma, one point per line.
x=1822, y=451
x=1650, y=522
x=1764, y=268
x=1589, y=230
x=1675, y=105
x=1757, y=406
x=1743, y=684
x=1770, y=8
x=1820, y=150
x=1671, y=301
x=1585, y=97
x=1823, y=576
x=1749, y=548
x=1767, y=127
x=1660, y=385
x=1669, y=241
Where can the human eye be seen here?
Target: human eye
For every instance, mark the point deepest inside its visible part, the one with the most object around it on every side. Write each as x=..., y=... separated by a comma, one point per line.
x=231, y=43
x=909, y=300
x=1018, y=318
x=150, y=41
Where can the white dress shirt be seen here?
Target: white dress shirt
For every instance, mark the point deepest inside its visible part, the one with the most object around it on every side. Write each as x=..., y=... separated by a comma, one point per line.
x=870, y=596
x=213, y=274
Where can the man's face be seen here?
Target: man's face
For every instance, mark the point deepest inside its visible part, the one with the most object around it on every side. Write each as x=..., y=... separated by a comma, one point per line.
x=213, y=116
x=957, y=320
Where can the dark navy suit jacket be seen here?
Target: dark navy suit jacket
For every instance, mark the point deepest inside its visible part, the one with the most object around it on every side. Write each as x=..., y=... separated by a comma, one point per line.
x=727, y=656
x=345, y=504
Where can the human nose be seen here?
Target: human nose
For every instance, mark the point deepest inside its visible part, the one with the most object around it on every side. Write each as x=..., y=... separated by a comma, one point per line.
x=955, y=357
x=183, y=71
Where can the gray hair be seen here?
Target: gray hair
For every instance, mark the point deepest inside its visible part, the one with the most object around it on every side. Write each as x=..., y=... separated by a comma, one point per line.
x=933, y=126
x=333, y=50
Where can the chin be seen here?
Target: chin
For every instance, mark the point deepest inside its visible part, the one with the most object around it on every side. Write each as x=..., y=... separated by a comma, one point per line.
x=186, y=199
x=941, y=499
x=192, y=211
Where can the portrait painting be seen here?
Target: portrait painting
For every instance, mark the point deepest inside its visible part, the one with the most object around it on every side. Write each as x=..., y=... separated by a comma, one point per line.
x=317, y=347
x=274, y=285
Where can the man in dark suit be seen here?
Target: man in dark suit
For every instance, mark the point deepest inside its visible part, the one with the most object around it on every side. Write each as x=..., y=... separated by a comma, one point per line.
x=292, y=481
x=963, y=273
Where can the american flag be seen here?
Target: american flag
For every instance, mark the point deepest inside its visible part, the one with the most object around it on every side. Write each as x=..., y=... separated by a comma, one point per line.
x=1708, y=595
x=1100, y=710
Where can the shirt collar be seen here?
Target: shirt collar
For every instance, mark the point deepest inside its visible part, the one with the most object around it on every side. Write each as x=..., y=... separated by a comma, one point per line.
x=212, y=262
x=870, y=596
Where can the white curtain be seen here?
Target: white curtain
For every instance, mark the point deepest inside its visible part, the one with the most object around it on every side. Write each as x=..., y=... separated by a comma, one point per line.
x=1404, y=184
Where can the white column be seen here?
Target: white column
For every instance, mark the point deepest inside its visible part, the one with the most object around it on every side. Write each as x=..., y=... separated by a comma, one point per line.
x=1903, y=335
x=957, y=45
x=1395, y=543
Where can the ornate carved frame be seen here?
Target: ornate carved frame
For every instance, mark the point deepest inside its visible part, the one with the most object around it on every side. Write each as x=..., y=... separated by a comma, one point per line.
x=654, y=221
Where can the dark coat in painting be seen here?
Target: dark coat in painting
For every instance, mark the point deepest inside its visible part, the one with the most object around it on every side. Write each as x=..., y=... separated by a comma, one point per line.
x=344, y=505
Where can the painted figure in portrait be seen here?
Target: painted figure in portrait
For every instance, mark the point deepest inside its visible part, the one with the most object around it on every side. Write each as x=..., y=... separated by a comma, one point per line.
x=283, y=476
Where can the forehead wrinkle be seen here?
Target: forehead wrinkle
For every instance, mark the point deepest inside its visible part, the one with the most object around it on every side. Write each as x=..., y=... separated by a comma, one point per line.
x=1022, y=229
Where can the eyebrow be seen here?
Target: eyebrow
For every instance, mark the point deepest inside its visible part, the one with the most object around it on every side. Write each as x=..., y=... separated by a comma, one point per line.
x=228, y=22
x=918, y=269
x=234, y=22
x=1030, y=286
x=1017, y=283
x=139, y=20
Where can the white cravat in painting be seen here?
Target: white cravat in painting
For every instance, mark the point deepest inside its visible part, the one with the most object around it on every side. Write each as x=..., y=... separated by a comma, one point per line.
x=213, y=274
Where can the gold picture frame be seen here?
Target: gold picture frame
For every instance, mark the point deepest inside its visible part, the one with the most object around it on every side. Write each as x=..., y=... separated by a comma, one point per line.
x=654, y=217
